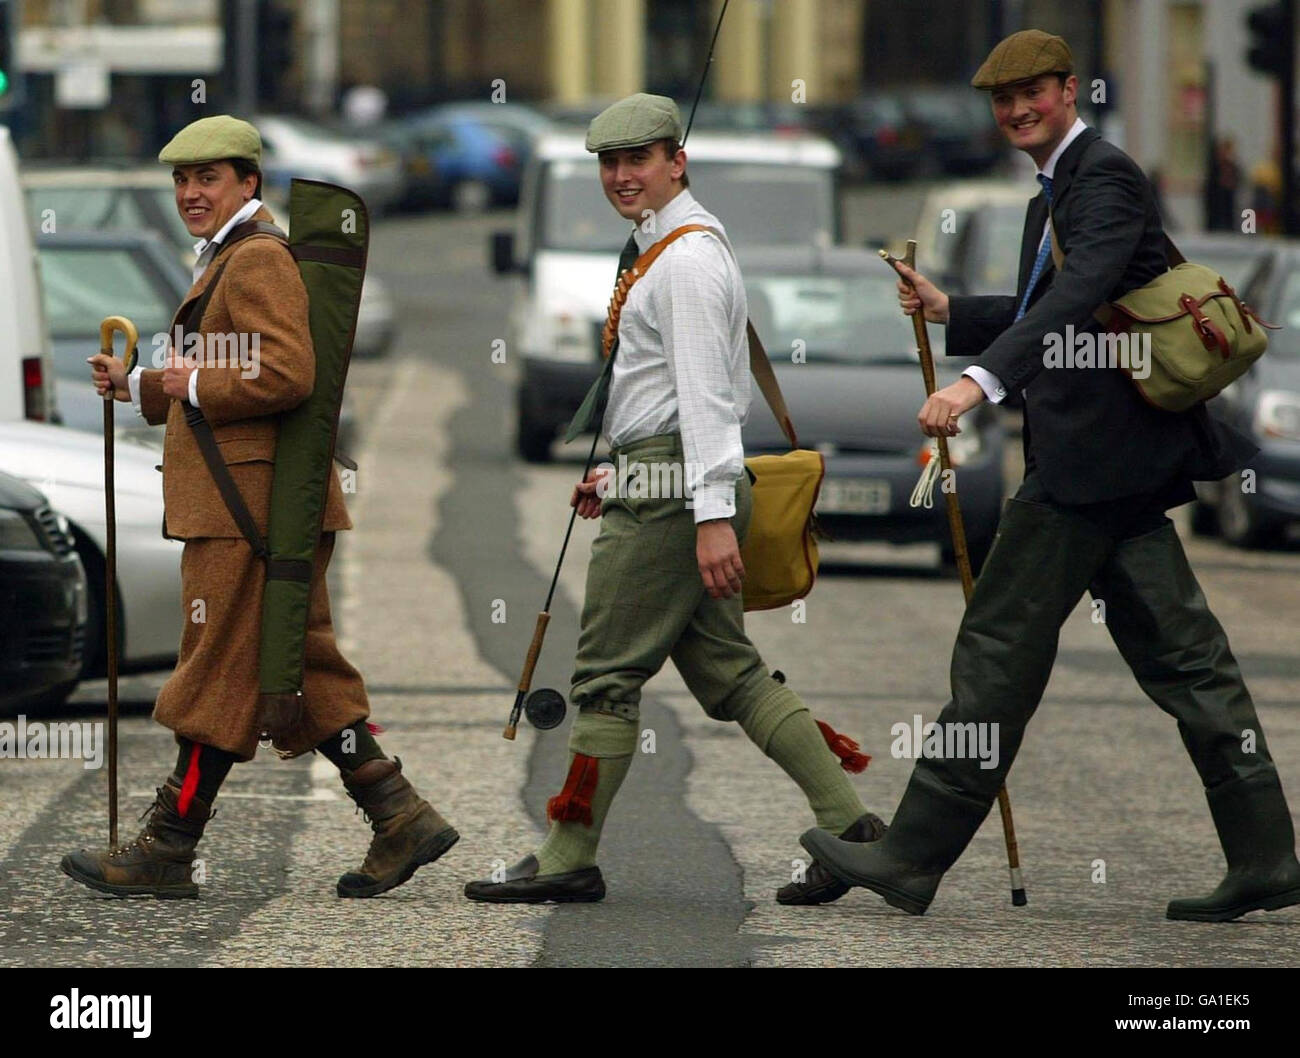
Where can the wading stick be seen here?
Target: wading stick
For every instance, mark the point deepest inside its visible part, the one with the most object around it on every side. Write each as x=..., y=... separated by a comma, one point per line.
x=958, y=530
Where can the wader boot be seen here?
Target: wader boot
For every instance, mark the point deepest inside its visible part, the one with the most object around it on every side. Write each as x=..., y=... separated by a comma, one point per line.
x=159, y=862
x=1258, y=840
x=408, y=832
x=1159, y=619
x=1042, y=560
x=819, y=885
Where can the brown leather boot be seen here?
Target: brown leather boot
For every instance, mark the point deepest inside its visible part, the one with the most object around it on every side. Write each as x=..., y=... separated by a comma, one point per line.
x=159, y=863
x=408, y=832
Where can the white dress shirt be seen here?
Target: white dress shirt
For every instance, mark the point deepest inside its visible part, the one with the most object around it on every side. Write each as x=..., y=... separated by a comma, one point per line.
x=987, y=380
x=683, y=358
x=205, y=250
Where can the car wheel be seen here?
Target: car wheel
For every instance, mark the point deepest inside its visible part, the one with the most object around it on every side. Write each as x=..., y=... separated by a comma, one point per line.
x=471, y=196
x=1240, y=525
x=532, y=439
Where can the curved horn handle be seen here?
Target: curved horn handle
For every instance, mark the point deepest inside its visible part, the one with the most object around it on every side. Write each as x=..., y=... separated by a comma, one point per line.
x=119, y=323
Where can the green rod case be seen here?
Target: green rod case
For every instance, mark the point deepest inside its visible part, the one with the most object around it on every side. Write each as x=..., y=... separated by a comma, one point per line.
x=329, y=235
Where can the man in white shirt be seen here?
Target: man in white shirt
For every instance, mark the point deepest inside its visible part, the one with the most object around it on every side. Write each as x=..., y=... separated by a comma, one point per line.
x=666, y=576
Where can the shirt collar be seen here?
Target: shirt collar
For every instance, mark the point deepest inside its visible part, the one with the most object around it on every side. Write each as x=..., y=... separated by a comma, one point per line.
x=672, y=216
x=247, y=210
x=1049, y=167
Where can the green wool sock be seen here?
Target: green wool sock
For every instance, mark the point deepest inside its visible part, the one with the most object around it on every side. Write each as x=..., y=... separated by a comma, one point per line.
x=602, y=748
x=782, y=728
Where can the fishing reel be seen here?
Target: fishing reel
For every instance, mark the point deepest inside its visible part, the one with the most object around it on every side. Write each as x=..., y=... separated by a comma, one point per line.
x=545, y=708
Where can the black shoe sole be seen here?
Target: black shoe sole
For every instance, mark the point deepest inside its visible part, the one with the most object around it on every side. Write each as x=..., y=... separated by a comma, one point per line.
x=544, y=893
x=187, y=891
x=431, y=850
x=805, y=896
x=1277, y=902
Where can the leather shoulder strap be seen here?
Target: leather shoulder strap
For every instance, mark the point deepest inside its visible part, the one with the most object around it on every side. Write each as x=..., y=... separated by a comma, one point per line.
x=628, y=279
x=195, y=418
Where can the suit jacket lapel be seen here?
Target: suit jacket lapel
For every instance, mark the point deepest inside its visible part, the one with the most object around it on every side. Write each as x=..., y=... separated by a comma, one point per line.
x=1062, y=179
x=1067, y=165
x=1035, y=218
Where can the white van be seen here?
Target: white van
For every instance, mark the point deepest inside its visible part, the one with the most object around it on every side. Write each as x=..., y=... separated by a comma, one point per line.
x=26, y=366
x=768, y=190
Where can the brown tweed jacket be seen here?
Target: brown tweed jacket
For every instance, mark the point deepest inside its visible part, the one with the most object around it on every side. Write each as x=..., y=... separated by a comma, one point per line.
x=260, y=293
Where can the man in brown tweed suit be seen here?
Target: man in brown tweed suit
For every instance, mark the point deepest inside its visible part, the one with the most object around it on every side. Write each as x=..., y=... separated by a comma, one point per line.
x=211, y=700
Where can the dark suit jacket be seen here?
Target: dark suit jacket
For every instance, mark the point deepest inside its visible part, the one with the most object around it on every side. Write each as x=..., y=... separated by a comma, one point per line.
x=1088, y=432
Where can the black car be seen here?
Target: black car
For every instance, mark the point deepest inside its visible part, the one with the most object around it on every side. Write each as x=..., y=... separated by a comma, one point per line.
x=960, y=133
x=878, y=136
x=43, y=601
x=847, y=363
x=1256, y=508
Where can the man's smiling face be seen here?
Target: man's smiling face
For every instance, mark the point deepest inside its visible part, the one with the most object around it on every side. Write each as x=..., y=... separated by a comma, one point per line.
x=1035, y=115
x=209, y=194
x=636, y=179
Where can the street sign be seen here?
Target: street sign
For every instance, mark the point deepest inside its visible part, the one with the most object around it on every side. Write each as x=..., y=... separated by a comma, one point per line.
x=82, y=83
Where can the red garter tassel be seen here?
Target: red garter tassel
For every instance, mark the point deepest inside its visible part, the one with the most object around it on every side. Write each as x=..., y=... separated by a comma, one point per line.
x=851, y=759
x=573, y=803
x=190, y=786
x=374, y=729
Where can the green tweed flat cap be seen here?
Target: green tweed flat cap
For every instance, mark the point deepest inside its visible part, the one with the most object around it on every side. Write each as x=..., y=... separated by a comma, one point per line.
x=1021, y=56
x=210, y=139
x=630, y=122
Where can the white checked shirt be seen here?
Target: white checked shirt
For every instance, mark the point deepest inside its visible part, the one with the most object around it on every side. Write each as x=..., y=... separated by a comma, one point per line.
x=683, y=359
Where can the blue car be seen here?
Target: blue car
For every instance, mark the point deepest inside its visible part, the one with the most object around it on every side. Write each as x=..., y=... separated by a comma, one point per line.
x=476, y=164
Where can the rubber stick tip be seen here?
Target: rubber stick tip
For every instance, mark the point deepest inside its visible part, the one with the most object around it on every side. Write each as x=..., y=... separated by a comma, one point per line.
x=1018, y=898
x=884, y=254
x=509, y=732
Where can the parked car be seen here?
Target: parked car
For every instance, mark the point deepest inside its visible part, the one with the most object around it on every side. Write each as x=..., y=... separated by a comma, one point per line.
x=1264, y=403
x=68, y=467
x=87, y=275
x=293, y=146
x=43, y=601
x=968, y=235
x=136, y=199
x=960, y=134
x=478, y=163
x=26, y=368
x=879, y=138
x=847, y=362
x=567, y=239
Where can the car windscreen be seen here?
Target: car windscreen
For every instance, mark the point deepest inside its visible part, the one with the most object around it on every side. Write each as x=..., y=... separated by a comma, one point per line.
x=137, y=208
x=832, y=318
x=83, y=285
x=759, y=205
x=1286, y=342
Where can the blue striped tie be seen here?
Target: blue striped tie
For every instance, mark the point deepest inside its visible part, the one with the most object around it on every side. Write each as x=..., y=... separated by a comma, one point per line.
x=1044, y=251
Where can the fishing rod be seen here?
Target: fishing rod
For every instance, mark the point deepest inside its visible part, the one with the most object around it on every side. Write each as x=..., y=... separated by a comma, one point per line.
x=545, y=706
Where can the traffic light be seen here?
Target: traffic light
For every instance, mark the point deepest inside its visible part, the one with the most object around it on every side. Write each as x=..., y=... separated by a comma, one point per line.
x=1270, y=43
x=7, y=49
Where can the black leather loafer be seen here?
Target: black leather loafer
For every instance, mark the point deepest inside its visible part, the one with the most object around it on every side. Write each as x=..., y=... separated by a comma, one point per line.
x=523, y=885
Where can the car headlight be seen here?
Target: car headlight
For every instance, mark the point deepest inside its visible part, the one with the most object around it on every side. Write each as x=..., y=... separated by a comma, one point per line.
x=1278, y=414
x=16, y=534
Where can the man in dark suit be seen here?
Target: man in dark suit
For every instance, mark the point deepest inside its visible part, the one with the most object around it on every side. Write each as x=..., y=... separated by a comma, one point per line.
x=1101, y=468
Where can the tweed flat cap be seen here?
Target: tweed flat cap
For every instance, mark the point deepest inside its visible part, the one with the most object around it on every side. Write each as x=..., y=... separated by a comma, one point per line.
x=635, y=120
x=1029, y=53
x=210, y=139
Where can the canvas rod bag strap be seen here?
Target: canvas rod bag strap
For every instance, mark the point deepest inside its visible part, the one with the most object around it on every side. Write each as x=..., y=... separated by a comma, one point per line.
x=203, y=435
x=761, y=368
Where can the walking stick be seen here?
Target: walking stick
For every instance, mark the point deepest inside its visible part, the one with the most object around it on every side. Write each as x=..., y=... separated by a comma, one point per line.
x=958, y=530
x=106, y=329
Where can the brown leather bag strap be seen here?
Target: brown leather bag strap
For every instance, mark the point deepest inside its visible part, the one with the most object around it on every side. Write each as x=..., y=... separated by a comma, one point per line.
x=628, y=279
x=195, y=418
x=761, y=368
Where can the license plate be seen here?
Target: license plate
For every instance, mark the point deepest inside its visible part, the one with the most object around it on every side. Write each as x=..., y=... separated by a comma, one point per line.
x=850, y=496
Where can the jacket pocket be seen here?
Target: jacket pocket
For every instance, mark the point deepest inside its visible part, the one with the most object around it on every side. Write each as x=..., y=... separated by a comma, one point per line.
x=247, y=449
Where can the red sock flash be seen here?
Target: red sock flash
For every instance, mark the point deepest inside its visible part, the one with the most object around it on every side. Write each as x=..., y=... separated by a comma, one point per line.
x=844, y=748
x=573, y=803
x=191, y=784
